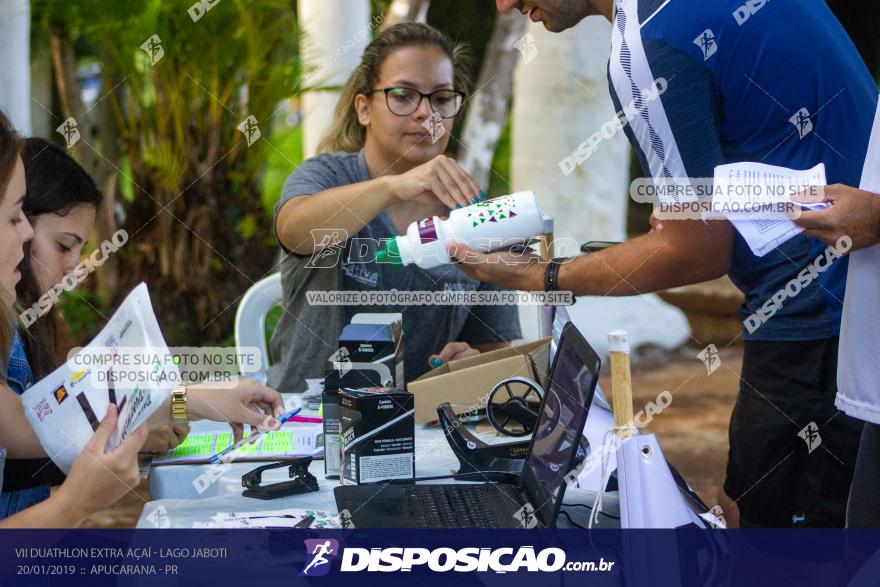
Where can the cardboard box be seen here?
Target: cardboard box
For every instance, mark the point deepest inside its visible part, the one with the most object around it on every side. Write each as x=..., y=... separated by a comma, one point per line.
x=381, y=344
x=377, y=434
x=468, y=382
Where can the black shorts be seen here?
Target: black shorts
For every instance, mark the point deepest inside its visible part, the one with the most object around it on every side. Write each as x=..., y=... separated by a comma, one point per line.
x=792, y=453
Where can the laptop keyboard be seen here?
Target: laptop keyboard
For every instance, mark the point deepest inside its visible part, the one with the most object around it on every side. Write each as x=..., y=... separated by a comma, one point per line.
x=450, y=506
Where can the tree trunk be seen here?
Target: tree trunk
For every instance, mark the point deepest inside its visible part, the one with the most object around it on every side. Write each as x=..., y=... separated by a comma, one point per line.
x=86, y=151
x=42, y=92
x=560, y=99
x=406, y=11
x=15, y=67
x=491, y=101
x=335, y=32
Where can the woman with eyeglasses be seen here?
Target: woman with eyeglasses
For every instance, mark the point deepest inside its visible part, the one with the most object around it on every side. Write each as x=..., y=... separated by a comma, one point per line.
x=381, y=166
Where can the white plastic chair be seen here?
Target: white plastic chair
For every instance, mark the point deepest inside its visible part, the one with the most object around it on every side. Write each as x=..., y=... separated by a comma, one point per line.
x=250, y=320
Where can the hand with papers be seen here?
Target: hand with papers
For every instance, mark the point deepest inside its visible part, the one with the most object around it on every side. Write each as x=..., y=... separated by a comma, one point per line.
x=129, y=365
x=851, y=212
x=97, y=479
x=100, y=477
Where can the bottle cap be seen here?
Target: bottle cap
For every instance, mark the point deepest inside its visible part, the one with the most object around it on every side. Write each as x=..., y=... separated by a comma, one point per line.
x=390, y=253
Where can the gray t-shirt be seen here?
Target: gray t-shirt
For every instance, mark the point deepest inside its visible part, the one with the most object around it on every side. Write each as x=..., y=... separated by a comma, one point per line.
x=426, y=328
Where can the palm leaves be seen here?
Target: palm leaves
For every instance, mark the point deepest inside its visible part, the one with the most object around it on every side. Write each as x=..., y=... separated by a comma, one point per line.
x=197, y=224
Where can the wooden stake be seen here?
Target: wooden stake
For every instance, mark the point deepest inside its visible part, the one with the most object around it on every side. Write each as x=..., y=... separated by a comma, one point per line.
x=621, y=382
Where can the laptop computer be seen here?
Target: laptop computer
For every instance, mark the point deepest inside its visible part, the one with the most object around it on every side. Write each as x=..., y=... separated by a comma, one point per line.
x=533, y=502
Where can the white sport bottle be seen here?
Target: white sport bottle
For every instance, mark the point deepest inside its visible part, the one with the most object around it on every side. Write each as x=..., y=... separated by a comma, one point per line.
x=498, y=223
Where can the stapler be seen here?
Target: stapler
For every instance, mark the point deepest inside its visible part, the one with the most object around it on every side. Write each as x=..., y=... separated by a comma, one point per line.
x=301, y=480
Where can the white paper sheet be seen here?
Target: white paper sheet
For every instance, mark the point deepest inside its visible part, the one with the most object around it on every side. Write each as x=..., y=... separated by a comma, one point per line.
x=282, y=518
x=65, y=407
x=743, y=185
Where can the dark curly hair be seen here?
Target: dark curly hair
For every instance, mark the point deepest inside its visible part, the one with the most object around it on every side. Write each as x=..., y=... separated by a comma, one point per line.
x=55, y=184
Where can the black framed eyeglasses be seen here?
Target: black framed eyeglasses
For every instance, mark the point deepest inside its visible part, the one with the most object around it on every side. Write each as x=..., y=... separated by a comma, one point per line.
x=404, y=101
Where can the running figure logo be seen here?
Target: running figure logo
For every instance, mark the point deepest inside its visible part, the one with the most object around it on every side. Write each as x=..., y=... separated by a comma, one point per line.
x=153, y=48
x=345, y=520
x=434, y=125
x=710, y=358
x=527, y=48
x=706, y=43
x=69, y=129
x=321, y=551
x=810, y=435
x=248, y=127
x=526, y=516
x=329, y=246
x=802, y=122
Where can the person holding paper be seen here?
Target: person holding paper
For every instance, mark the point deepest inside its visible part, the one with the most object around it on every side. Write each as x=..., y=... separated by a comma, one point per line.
x=61, y=204
x=855, y=213
x=98, y=477
x=851, y=212
x=700, y=84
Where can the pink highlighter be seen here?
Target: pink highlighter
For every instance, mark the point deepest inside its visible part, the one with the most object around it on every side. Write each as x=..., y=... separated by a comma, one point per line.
x=308, y=419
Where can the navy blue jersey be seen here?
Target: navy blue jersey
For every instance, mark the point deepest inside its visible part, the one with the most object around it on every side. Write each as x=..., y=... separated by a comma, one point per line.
x=770, y=81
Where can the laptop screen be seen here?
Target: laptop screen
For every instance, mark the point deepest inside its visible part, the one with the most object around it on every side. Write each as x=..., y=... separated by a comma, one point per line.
x=560, y=319
x=561, y=419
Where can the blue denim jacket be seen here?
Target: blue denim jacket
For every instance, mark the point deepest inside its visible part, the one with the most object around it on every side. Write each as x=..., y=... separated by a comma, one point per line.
x=20, y=377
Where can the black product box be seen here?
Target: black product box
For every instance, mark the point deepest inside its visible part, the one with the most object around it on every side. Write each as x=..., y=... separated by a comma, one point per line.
x=378, y=434
x=335, y=379
x=381, y=344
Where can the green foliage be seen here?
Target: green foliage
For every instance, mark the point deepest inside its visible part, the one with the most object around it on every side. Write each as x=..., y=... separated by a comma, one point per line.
x=286, y=157
x=499, y=179
x=191, y=187
x=78, y=309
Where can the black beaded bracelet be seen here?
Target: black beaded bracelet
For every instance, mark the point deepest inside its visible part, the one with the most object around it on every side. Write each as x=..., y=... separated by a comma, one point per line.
x=551, y=275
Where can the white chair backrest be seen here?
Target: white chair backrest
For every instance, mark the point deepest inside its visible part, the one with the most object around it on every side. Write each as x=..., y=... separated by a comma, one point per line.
x=250, y=320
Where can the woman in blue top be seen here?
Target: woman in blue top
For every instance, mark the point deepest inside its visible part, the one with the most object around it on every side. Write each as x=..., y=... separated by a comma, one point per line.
x=61, y=205
x=98, y=477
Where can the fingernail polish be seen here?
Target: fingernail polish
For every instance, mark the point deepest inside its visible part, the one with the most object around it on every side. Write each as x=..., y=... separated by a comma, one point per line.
x=474, y=201
x=457, y=206
x=436, y=362
x=482, y=196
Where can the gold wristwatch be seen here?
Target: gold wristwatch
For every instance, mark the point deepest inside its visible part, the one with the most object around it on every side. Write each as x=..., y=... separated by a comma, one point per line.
x=179, y=413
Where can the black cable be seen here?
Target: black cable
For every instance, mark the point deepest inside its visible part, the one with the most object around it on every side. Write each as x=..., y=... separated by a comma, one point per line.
x=583, y=505
x=572, y=522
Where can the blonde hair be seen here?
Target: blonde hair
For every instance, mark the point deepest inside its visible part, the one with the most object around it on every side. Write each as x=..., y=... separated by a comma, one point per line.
x=10, y=147
x=347, y=133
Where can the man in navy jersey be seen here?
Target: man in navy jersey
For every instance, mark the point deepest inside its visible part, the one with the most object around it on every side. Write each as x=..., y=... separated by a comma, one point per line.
x=777, y=82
